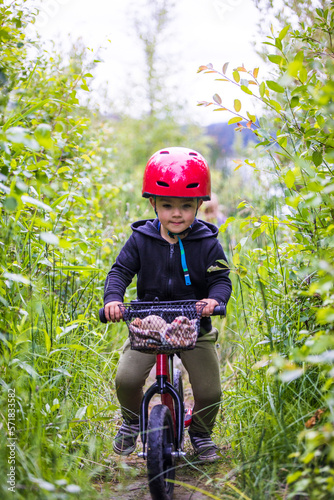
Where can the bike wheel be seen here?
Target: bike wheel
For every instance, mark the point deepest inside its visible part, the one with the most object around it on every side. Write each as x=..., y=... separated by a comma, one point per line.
x=160, y=461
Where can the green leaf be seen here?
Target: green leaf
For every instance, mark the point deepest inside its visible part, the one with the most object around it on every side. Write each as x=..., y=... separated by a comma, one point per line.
x=241, y=271
x=235, y=119
x=237, y=105
x=236, y=259
x=272, y=85
x=59, y=127
x=60, y=199
x=294, y=101
x=275, y=59
x=43, y=135
x=284, y=31
x=293, y=201
x=87, y=158
x=10, y=203
x=262, y=89
x=276, y=105
x=224, y=226
x=317, y=158
x=299, y=56
x=294, y=67
x=251, y=117
x=289, y=179
x=246, y=90
x=47, y=341
x=236, y=76
x=263, y=272
x=61, y=170
x=278, y=43
x=303, y=74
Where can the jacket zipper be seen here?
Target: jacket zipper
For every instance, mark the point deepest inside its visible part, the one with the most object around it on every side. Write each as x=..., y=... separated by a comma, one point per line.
x=170, y=278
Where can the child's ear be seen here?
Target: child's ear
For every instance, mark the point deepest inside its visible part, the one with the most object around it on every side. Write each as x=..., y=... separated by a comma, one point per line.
x=152, y=201
x=200, y=202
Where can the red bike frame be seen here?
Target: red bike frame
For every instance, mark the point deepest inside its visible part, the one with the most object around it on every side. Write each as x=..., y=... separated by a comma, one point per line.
x=169, y=397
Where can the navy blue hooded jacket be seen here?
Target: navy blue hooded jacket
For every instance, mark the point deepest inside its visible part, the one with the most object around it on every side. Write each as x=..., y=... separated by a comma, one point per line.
x=157, y=264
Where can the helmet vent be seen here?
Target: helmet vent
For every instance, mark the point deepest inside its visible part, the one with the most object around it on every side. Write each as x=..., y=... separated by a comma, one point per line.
x=193, y=154
x=164, y=152
x=162, y=184
x=193, y=185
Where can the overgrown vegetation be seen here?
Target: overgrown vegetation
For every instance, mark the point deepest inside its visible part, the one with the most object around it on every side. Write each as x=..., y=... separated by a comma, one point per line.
x=69, y=188
x=279, y=408
x=68, y=192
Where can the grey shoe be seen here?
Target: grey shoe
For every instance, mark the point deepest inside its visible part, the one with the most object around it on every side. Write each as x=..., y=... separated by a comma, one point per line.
x=204, y=448
x=126, y=438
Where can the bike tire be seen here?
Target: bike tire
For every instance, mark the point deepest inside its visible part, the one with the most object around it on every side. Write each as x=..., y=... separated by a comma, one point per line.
x=160, y=445
x=177, y=383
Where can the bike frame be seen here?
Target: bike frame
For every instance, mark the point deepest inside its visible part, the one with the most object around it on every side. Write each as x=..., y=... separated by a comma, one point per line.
x=169, y=397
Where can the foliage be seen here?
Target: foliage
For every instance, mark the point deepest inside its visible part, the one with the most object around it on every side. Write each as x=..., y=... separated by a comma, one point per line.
x=58, y=182
x=284, y=372
x=69, y=188
x=285, y=11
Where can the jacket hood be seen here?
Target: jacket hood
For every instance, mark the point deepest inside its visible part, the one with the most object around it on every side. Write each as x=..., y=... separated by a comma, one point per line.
x=200, y=229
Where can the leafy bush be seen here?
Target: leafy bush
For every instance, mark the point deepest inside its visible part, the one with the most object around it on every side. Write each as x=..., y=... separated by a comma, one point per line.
x=57, y=184
x=281, y=406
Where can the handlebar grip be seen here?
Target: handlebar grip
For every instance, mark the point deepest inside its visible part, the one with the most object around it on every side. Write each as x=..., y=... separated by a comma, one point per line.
x=102, y=316
x=219, y=310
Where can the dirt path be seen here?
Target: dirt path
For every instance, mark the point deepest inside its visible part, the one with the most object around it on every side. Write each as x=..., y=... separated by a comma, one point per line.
x=131, y=483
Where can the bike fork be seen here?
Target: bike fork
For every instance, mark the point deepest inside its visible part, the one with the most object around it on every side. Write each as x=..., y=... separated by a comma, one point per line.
x=170, y=397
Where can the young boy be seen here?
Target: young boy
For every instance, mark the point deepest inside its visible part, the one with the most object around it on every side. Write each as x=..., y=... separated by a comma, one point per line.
x=171, y=256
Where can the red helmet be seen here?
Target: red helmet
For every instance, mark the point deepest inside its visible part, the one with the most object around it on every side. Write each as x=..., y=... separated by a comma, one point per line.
x=177, y=172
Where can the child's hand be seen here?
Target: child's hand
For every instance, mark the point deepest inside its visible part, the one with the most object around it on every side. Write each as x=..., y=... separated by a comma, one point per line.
x=208, y=309
x=112, y=311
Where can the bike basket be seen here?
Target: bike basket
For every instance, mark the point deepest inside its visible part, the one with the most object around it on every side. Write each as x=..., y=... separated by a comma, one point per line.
x=163, y=327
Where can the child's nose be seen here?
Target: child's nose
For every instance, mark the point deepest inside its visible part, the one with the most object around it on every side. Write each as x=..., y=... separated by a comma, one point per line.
x=176, y=211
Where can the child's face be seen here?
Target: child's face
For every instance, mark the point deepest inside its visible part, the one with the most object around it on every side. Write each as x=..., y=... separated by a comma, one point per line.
x=175, y=214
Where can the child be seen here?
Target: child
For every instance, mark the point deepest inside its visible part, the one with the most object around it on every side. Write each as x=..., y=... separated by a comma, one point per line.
x=171, y=256
x=211, y=211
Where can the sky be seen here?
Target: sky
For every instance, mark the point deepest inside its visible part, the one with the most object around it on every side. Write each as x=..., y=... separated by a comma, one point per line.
x=201, y=31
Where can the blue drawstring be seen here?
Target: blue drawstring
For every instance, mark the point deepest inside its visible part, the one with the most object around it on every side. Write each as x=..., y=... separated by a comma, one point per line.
x=184, y=263
x=183, y=258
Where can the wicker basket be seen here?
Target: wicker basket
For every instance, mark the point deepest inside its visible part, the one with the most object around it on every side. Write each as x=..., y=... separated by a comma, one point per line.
x=163, y=327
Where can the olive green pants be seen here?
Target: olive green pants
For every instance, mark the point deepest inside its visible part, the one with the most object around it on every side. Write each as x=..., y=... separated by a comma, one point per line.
x=202, y=365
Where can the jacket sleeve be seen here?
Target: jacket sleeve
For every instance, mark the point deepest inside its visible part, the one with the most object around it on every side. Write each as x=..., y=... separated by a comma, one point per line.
x=218, y=282
x=126, y=266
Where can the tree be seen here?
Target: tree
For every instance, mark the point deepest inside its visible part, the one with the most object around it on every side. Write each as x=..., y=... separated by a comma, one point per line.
x=151, y=23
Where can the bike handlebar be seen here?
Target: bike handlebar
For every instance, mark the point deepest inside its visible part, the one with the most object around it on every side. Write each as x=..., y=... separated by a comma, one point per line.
x=218, y=311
